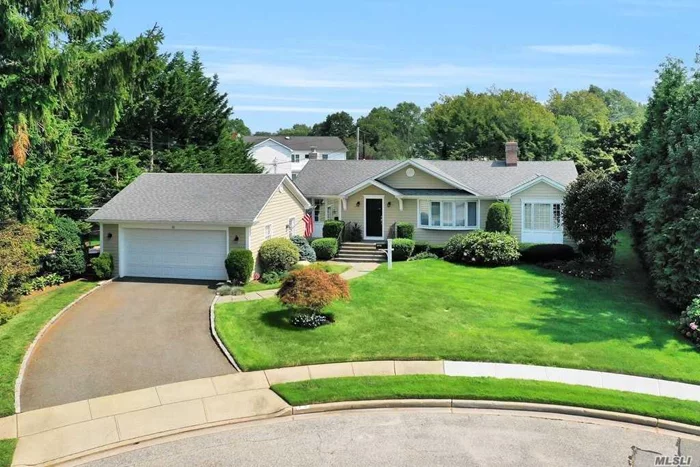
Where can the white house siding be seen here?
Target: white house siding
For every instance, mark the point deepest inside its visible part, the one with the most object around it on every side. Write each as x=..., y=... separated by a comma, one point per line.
x=542, y=191
x=420, y=179
x=269, y=152
x=281, y=206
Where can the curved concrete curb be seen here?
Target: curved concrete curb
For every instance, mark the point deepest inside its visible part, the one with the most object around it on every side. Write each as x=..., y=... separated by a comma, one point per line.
x=212, y=327
x=499, y=405
x=32, y=346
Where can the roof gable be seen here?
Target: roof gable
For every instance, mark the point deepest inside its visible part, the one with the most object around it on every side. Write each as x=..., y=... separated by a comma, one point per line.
x=301, y=143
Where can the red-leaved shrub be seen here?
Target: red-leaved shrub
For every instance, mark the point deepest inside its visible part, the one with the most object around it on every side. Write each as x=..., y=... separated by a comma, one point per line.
x=312, y=289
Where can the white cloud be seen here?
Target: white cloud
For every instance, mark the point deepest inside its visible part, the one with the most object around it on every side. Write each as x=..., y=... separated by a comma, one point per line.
x=281, y=108
x=270, y=97
x=581, y=49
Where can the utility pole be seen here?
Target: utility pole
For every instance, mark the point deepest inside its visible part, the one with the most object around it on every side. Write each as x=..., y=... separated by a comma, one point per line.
x=357, y=144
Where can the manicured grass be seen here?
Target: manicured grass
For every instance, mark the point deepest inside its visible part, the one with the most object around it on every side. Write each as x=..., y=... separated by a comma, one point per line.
x=19, y=332
x=450, y=387
x=333, y=268
x=7, y=449
x=432, y=309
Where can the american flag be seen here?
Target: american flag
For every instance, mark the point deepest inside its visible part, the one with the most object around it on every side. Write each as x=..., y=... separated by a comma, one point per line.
x=308, y=223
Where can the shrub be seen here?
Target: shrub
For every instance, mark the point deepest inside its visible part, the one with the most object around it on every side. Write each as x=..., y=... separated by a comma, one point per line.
x=272, y=277
x=7, y=312
x=593, y=214
x=19, y=255
x=239, y=266
x=306, y=253
x=422, y=247
x=66, y=256
x=545, y=252
x=309, y=320
x=689, y=324
x=103, y=266
x=332, y=229
x=405, y=230
x=325, y=248
x=499, y=218
x=584, y=268
x=229, y=289
x=482, y=248
x=278, y=254
x=40, y=283
x=354, y=232
x=312, y=289
x=423, y=255
x=403, y=248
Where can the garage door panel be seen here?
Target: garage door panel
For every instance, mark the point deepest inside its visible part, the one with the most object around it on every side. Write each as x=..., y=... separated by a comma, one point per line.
x=176, y=254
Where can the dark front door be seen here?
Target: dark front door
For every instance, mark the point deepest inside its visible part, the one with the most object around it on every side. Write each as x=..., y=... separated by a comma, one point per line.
x=373, y=217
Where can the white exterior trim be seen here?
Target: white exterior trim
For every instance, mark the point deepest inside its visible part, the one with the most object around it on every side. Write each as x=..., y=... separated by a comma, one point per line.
x=247, y=238
x=430, y=171
x=273, y=141
x=122, y=250
x=289, y=184
x=366, y=183
x=102, y=237
x=546, y=236
x=364, y=217
x=530, y=183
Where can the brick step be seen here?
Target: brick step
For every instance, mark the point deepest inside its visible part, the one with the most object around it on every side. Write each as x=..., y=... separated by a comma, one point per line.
x=356, y=248
x=360, y=258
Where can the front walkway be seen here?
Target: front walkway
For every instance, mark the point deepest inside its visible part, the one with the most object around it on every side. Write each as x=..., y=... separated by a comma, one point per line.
x=105, y=422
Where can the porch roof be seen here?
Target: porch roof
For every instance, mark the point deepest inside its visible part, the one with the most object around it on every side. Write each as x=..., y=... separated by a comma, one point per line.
x=432, y=193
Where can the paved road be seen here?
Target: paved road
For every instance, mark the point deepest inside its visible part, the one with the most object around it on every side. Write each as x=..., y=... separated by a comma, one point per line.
x=124, y=336
x=399, y=438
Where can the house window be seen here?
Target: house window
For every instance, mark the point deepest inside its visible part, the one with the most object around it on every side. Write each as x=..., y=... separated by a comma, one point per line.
x=295, y=157
x=268, y=232
x=542, y=216
x=329, y=212
x=295, y=175
x=324, y=157
x=449, y=215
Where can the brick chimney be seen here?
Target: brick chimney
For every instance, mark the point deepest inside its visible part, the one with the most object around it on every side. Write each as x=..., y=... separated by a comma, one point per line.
x=313, y=155
x=511, y=153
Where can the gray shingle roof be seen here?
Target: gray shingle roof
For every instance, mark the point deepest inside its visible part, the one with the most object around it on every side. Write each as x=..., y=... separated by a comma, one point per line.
x=231, y=199
x=487, y=178
x=303, y=143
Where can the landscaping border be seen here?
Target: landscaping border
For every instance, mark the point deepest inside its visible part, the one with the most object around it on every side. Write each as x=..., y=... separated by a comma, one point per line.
x=215, y=335
x=32, y=346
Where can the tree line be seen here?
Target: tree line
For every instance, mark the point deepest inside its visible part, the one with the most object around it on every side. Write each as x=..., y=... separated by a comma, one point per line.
x=594, y=127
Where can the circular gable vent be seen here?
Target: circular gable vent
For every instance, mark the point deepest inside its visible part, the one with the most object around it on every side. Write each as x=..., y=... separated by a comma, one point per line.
x=410, y=172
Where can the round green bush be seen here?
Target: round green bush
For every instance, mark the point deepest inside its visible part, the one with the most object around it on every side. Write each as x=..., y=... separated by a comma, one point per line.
x=482, y=248
x=689, y=323
x=404, y=230
x=325, y=248
x=403, y=248
x=278, y=255
x=239, y=266
x=499, y=218
x=66, y=256
x=306, y=253
x=332, y=229
x=103, y=266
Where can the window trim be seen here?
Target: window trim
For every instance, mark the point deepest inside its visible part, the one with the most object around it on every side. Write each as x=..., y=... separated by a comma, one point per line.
x=551, y=202
x=292, y=225
x=265, y=237
x=295, y=158
x=454, y=217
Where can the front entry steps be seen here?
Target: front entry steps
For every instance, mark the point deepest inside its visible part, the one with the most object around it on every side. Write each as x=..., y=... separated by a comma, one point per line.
x=359, y=252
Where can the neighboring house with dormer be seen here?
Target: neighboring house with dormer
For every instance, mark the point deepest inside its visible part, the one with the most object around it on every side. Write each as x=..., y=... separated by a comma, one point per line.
x=289, y=154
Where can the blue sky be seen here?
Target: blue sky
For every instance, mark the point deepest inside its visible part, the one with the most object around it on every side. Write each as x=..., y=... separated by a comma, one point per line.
x=284, y=62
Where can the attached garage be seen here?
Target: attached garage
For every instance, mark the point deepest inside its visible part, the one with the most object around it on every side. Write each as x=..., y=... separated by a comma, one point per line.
x=173, y=254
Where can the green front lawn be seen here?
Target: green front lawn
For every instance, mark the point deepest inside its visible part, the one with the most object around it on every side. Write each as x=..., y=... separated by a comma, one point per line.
x=449, y=387
x=432, y=309
x=17, y=334
x=7, y=450
x=333, y=268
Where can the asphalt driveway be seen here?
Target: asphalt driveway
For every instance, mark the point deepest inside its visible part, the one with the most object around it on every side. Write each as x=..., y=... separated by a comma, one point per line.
x=128, y=335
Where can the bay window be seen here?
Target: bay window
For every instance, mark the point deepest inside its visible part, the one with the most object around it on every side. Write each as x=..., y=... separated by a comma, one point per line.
x=448, y=215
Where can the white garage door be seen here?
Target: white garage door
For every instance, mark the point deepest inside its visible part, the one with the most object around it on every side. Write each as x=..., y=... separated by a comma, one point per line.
x=174, y=254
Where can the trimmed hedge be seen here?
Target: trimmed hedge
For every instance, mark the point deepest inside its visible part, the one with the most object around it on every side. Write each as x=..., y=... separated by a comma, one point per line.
x=403, y=248
x=405, y=230
x=239, y=266
x=103, y=266
x=66, y=257
x=423, y=247
x=278, y=255
x=499, y=218
x=332, y=229
x=482, y=248
x=545, y=253
x=325, y=248
x=306, y=253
